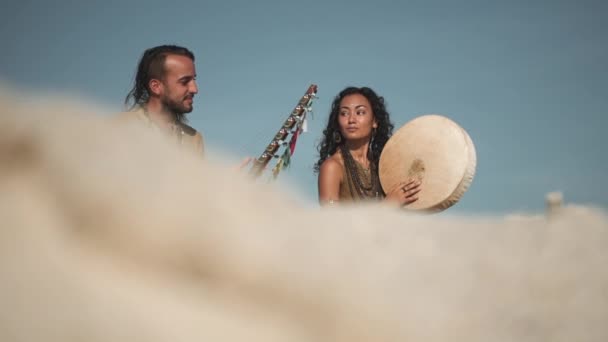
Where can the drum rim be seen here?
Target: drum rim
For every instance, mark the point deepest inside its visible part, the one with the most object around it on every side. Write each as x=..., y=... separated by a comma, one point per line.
x=455, y=193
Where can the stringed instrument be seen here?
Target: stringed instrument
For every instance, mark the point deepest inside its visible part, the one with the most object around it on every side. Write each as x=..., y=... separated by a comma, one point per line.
x=291, y=126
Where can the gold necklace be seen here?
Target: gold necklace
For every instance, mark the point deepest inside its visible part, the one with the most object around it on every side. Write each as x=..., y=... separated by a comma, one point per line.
x=365, y=183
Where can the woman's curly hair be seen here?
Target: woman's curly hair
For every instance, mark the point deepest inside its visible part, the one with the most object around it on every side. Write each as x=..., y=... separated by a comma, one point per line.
x=328, y=145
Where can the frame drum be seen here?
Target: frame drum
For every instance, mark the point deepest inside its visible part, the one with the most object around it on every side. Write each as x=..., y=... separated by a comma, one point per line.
x=434, y=150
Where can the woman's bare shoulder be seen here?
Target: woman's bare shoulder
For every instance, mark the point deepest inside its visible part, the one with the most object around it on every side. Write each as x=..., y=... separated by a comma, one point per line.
x=333, y=164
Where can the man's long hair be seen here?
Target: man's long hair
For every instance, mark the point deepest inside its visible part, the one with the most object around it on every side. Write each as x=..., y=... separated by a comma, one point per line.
x=151, y=66
x=329, y=145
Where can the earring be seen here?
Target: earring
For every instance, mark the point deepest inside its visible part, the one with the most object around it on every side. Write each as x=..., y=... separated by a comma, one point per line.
x=337, y=137
x=370, y=152
x=371, y=141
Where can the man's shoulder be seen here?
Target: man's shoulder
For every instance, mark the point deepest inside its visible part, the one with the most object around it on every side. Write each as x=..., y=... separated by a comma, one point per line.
x=129, y=115
x=188, y=129
x=194, y=136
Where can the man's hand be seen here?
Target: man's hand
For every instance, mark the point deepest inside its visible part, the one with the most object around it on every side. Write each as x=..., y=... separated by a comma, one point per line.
x=246, y=161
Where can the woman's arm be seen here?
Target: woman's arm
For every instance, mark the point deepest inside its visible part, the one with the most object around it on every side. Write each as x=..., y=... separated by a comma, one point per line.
x=330, y=176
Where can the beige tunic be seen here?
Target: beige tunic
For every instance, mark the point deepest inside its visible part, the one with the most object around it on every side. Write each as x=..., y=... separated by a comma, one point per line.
x=184, y=134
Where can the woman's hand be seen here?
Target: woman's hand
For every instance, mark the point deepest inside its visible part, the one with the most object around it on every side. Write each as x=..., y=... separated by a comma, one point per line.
x=404, y=193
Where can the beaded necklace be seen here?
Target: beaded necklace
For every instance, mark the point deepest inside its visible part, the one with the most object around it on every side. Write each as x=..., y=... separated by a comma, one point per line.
x=365, y=181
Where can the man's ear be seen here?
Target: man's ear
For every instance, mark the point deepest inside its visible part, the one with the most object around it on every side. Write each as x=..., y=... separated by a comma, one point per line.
x=155, y=86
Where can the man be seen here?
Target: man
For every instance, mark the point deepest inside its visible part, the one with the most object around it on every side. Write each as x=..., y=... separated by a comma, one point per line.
x=163, y=93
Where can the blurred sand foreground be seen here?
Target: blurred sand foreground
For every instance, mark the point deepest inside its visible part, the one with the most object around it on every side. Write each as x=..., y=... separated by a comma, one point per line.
x=107, y=234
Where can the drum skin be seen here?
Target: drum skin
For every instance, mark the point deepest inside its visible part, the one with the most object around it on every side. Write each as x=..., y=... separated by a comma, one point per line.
x=435, y=150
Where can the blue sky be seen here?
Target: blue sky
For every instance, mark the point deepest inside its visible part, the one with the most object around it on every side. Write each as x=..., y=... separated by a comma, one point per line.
x=526, y=79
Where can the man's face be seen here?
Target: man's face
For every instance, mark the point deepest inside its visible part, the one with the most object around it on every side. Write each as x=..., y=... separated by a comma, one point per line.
x=179, y=84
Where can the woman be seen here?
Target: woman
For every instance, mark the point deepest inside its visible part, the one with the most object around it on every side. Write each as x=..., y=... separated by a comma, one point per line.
x=357, y=130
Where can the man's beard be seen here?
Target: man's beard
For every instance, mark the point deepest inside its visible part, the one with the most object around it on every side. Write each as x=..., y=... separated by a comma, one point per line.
x=176, y=108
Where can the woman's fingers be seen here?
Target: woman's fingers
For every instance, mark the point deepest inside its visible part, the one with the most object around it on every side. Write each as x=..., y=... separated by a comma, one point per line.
x=403, y=185
x=406, y=192
x=410, y=191
x=410, y=196
x=410, y=185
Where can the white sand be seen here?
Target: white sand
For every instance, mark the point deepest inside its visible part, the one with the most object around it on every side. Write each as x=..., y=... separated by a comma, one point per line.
x=107, y=234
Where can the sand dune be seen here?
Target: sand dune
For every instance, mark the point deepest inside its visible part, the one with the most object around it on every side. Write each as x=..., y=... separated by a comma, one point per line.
x=111, y=234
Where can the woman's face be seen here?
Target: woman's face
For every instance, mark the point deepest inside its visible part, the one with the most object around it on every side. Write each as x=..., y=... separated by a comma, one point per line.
x=356, y=118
